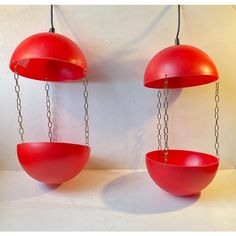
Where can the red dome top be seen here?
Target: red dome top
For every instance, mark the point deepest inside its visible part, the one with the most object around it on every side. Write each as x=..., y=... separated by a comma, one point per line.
x=183, y=65
x=49, y=56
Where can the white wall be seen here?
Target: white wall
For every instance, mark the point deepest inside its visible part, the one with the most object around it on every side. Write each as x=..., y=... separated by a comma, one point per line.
x=118, y=42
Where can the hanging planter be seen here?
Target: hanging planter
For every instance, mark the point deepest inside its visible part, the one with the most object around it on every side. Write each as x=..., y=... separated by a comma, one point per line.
x=180, y=172
x=50, y=57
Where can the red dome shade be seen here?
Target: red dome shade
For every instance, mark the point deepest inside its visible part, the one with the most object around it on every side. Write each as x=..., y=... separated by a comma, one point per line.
x=183, y=65
x=49, y=56
x=52, y=163
x=186, y=172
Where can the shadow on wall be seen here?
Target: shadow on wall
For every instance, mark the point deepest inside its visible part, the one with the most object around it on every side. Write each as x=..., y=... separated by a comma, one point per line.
x=135, y=193
x=100, y=163
x=97, y=71
x=104, y=70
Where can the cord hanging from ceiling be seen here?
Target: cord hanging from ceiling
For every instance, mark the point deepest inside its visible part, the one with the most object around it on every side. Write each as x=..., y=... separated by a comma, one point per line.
x=52, y=29
x=177, y=40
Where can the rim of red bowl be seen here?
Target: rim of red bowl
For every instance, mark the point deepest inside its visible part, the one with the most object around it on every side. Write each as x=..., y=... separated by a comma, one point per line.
x=55, y=143
x=185, y=166
x=75, y=144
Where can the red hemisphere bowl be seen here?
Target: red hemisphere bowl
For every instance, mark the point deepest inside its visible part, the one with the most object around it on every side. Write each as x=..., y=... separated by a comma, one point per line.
x=182, y=65
x=52, y=163
x=49, y=56
x=186, y=172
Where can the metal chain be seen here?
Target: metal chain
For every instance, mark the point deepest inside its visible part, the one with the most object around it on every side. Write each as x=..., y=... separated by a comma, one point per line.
x=159, y=119
x=217, y=114
x=86, y=115
x=18, y=105
x=166, y=118
x=49, y=113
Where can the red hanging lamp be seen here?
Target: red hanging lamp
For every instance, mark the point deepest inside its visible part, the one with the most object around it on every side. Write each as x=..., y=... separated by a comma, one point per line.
x=180, y=172
x=50, y=57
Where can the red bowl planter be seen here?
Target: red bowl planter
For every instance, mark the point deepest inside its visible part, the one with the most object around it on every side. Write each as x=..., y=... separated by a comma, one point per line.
x=186, y=172
x=52, y=163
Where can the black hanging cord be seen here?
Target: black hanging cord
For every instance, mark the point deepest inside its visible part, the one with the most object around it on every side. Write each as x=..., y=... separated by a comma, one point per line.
x=177, y=40
x=52, y=29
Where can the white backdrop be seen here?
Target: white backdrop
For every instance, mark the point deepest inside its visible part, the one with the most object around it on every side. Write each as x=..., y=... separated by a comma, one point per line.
x=118, y=42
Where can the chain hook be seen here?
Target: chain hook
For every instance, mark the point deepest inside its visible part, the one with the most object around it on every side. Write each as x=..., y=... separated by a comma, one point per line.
x=19, y=105
x=217, y=115
x=166, y=118
x=86, y=114
x=159, y=128
x=49, y=113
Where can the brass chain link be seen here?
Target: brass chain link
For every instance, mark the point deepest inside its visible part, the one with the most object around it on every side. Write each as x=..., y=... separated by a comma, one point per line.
x=217, y=114
x=49, y=113
x=86, y=114
x=166, y=118
x=159, y=119
x=19, y=105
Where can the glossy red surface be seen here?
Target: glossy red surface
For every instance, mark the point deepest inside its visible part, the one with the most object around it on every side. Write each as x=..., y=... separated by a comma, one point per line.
x=49, y=56
x=52, y=163
x=186, y=173
x=184, y=66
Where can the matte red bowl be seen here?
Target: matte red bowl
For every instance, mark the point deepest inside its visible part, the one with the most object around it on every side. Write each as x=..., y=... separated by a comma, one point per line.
x=52, y=163
x=186, y=172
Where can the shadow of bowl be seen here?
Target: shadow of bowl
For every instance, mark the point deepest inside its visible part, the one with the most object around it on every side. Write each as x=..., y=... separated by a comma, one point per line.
x=16, y=185
x=135, y=193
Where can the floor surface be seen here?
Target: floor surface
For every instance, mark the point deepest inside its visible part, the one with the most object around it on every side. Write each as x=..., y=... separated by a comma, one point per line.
x=113, y=200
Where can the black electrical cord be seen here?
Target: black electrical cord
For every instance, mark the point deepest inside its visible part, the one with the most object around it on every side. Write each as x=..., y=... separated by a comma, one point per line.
x=177, y=40
x=52, y=29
